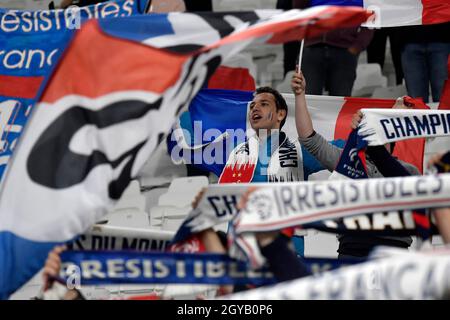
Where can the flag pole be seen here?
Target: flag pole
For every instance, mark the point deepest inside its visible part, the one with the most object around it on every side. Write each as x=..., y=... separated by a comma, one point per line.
x=300, y=54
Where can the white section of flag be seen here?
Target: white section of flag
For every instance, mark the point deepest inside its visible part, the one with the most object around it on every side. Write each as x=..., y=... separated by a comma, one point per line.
x=395, y=13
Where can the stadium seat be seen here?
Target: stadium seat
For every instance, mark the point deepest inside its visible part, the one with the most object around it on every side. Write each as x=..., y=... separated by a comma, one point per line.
x=130, y=209
x=182, y=191
x=368, y=78
x=160, y=169
x=243, y=60
x=389, y=92
x=131, y=198
x=263, y=56
x=175, y=204
x=285, y=85
x=276, y=69
x=128, y=217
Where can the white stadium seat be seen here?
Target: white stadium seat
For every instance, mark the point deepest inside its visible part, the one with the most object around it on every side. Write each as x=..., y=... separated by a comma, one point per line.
x=389, y=92
x=182, y=191
x=131, y=198
x=130, y=210
x=276, y=69
x=368, y=78
x=174, y=205
x=285, y=85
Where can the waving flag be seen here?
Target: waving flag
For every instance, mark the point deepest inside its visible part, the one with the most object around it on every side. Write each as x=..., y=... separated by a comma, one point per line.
x=217, y=121
x=108, y=104
x=31, y=44
x=235, y=74
x=217, y=115
x=399, y=12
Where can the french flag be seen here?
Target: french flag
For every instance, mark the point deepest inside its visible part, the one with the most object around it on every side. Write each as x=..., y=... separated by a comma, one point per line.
x=32, y=43
x=399, y=12
x=222, y=110
x=108, y=104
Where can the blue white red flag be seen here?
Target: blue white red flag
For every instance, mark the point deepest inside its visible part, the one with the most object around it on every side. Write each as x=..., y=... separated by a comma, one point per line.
x=31, y=44
x=399, y=12
x=109, y=103
x=215, y=115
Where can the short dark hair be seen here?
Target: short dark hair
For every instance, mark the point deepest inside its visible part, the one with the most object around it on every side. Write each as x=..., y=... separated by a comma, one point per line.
x=279, y=100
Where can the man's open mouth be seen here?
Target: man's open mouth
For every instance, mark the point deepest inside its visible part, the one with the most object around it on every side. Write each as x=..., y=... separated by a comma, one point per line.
x=256, y=117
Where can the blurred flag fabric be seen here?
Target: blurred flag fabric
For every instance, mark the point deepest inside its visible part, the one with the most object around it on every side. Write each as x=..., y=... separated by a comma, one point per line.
x=237, y=73
x=399, y=12
x=31, y=43
x=108, y=104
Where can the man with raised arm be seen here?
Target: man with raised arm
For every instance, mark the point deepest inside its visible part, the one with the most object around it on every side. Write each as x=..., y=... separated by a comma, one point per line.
x=328, y=155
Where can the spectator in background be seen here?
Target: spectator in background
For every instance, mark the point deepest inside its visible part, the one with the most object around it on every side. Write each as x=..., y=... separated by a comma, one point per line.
x=424, y=59
x=290, y=49
x=328, y=155
x=198, y=5
x=377, y=49
x=79, y=3
x=330, y=61
x=162, y=6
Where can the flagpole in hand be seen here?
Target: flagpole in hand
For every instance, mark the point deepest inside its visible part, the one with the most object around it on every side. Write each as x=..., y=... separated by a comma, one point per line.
x=300, y=55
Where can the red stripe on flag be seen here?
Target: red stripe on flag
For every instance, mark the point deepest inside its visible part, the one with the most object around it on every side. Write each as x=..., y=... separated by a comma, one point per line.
x=350, y=106
x=232, y=79
x=444, y=104
x=331, y=18
x=136, y=67
x=411, y=150
x=20, y=87
x=435, y=11
x=314, y=24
